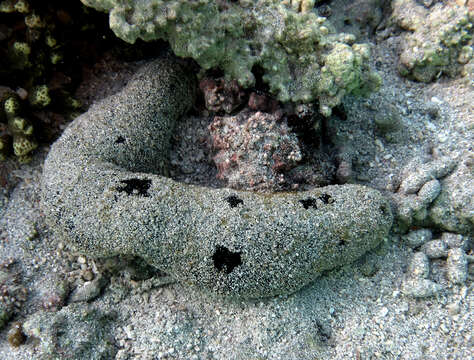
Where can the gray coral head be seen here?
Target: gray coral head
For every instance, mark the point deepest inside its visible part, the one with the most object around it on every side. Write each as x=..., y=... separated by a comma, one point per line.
x=104, y=191
x=300, y=55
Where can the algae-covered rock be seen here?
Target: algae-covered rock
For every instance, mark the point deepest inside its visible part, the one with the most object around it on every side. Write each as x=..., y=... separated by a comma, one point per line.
x=439, y=39
x=103, y=190
x=453, y=209
x=360, y=18
x=301, y=55
x=421, y=186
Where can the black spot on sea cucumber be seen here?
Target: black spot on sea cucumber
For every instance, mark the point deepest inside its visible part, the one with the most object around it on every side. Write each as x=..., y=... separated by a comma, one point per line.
x=234, y=201
x=136, y=187
x=309, y=202
x=325, y=198
x=120, y=140
x=226, y=260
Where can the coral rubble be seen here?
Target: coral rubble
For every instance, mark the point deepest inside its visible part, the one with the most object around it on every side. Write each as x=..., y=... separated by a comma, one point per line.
x=439, y=40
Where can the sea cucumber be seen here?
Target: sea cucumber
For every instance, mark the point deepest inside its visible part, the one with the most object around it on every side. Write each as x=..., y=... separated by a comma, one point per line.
x=104, y=189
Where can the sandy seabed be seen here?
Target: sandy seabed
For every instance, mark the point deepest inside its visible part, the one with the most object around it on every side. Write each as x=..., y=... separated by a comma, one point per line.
x=360, y=311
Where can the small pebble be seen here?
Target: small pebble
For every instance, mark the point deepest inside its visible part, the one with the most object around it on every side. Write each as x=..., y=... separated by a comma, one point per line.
x=417, y=237
x=457, y=266
x=15, y=335
x=420, y=288
x=427, y=3
x=429, y=192
x=453, y=241
x=435, y=249
x=388, y=119
x=453, y=308
x=419, y=265
x=369, y=268
x=88, y=275
x=405, y=211
x=383, y=312
x=420, y=211
x=470, y=269
x=89, y=291
x=22, y=93
x=413, y=182
x=425, y=173
x=325, y=10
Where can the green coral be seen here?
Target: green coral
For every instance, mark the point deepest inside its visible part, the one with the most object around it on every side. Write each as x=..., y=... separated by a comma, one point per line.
x=34, y=21
x=439, y=42
x=7, y=6
x=297, y=50
x=18, y=135
x=11, y=105
x=19, y=55
x=19, y=128
x=39, y=96
x=35, y=44
x=10, y=6
x=22, y=146
x=21, y=6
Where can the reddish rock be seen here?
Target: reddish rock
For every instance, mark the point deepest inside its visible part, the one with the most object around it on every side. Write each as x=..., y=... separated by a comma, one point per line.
x=221, y=95
x=254, y=150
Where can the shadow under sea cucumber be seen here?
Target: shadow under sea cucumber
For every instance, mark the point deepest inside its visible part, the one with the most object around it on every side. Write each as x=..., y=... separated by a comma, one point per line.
x=104, y=190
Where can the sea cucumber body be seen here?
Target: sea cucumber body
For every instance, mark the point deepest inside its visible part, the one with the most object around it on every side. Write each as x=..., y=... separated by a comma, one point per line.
x=104, y=190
